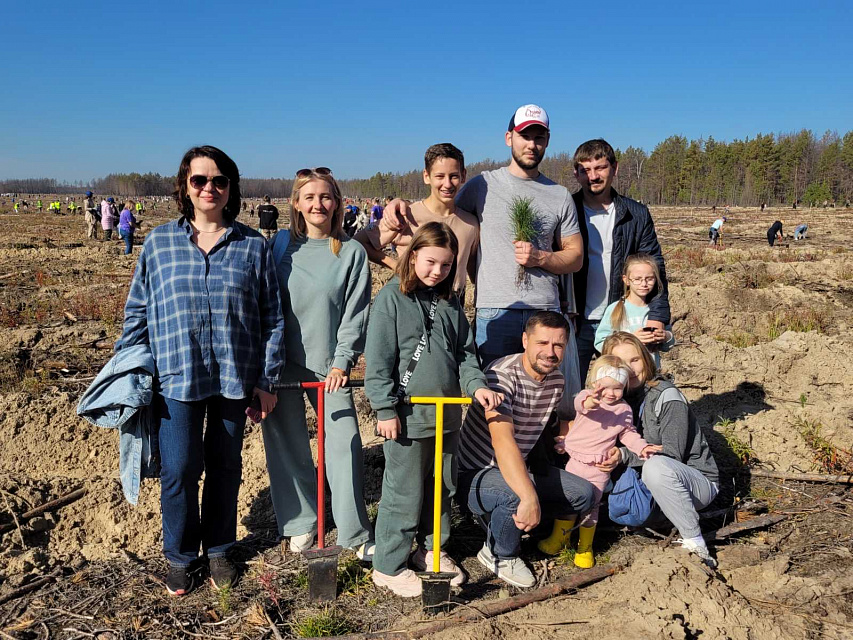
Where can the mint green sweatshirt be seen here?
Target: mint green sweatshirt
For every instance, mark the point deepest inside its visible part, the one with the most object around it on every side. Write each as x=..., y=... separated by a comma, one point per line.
x=635, y=318
x=325, y=299
x=446, y=367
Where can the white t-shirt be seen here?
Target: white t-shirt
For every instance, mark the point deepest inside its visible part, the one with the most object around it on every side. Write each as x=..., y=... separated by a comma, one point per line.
x=599, y=224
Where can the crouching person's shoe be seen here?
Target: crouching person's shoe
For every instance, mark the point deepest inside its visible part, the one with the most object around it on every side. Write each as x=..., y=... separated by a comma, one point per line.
x=511, y=570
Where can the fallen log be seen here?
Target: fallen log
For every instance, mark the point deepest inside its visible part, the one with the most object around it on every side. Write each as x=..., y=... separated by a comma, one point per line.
x=27, y=588
x=491, y=609
x=45, y=508
x=800, y=477
x=740, y=527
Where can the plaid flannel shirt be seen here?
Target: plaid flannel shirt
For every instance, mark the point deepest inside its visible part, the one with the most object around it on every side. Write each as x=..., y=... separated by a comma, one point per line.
x=214, y=322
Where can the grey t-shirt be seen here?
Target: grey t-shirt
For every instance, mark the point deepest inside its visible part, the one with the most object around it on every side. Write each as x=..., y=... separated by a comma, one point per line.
x=489, y=196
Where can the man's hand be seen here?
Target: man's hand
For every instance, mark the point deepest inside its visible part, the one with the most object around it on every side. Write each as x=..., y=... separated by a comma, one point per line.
x=614, y=459
x=394, y=215
x=389, y=428
x=336, y=379
x=528, y=514
x=527, y=255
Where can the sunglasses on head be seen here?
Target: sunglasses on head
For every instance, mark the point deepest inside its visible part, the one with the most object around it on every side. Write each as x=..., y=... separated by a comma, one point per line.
x=219, y=182
x=321, y=171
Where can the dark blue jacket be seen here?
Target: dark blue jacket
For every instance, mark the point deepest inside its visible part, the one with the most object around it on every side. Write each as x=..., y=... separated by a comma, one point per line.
x=633, y=232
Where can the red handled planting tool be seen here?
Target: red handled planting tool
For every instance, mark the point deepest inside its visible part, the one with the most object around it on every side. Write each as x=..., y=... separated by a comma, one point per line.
x=322, y=561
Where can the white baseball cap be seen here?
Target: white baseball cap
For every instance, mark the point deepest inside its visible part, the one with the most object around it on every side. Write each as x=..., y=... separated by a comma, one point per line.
x=528, y=115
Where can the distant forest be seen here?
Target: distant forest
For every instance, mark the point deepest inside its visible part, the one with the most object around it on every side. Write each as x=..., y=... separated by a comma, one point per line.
x=772, y=169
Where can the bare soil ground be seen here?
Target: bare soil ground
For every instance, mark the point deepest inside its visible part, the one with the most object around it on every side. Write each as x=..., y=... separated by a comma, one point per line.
x=763, y=343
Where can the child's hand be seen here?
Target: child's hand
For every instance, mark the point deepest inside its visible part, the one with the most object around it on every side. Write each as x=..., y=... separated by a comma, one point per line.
x=389, y=428
x=650, y=450
x=488, y=399
x=560, y=444
x=336, y=379
x=593, y=400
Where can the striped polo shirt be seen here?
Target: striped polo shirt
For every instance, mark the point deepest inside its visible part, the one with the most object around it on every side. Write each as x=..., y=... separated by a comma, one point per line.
x=528, y=402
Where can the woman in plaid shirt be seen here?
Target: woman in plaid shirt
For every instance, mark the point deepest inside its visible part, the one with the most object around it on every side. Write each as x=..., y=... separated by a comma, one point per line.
x=205, y=297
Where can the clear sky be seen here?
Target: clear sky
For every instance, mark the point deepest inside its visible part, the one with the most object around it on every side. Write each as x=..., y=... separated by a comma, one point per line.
x=92, y=88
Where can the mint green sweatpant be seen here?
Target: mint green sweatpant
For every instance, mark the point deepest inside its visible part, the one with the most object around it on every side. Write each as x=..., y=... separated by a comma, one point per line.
x=293, y=476
x=406, y=507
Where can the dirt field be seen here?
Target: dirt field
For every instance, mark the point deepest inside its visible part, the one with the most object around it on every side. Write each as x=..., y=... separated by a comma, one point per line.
x=763, y=356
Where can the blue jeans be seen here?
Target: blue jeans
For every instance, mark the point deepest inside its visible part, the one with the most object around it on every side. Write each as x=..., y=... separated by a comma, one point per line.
x=586, y=344
x=187, y=450
x=127, y=236
x=560, y=494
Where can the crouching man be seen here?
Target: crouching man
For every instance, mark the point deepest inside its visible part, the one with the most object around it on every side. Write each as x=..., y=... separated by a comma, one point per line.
x=494, y=479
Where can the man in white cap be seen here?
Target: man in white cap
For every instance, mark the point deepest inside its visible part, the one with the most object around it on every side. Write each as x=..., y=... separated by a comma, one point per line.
x=504, y=301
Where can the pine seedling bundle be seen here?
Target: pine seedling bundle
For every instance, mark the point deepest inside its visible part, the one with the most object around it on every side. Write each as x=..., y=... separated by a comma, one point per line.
x=523, y=218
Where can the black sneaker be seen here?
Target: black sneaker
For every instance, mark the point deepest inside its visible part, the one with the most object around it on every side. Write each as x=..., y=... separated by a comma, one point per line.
x=179, y=582
x=223, y=573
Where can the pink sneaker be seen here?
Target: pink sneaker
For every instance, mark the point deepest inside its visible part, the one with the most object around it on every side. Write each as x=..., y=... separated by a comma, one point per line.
x=422, y=561
x=405, y=584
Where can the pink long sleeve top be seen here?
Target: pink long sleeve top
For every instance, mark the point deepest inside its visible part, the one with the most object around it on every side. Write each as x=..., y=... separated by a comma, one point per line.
x=596, y=431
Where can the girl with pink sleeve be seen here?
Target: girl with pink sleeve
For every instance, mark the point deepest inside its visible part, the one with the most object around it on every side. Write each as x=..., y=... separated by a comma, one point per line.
x=602, y=419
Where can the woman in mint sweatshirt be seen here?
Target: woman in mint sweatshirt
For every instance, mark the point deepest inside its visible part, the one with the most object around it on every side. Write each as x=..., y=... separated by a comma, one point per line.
x=418, y=312
x=325, y=288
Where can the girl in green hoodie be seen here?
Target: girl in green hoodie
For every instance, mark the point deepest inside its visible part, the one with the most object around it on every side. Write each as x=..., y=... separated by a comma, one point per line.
x=419, y=343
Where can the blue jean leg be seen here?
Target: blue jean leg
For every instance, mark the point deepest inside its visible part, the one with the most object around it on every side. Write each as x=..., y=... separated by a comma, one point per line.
x=127, y=236
x=560, y=494
x=497, y=333
x=186, y=451
x=586, y=344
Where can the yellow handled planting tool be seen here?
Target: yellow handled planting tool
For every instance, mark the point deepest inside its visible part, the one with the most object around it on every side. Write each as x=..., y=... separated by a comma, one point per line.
x=436, y=585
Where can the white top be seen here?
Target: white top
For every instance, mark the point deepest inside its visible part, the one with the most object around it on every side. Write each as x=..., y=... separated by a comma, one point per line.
x=599, y=224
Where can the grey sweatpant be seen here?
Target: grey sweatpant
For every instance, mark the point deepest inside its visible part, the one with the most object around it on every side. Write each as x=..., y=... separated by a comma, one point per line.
x=679, y=491
x=406, y=509
x=293, y=477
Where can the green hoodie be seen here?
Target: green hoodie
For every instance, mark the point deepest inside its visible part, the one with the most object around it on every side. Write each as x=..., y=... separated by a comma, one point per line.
x=397, y=323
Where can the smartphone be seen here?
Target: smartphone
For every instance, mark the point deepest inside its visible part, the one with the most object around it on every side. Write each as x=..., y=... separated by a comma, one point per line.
x=648, y=329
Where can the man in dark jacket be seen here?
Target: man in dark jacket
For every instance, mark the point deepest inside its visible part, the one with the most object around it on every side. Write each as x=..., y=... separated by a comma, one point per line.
x=267, y=219
x=613, y=227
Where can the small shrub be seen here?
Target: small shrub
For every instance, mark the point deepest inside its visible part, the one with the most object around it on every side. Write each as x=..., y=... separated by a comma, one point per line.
x=566, y=556
x=325, y=624
x=827, y=457
x=741, y=450
x=352, y=577
x=739, y=339
x=803, y=400
x=224, y=599
x=803, y=320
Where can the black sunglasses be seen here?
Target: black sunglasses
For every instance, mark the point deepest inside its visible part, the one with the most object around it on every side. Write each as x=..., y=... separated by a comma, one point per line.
x=200, y=182
x=320, y=171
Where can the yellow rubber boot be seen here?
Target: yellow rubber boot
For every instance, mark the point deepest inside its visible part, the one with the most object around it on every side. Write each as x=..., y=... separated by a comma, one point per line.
x=583, y=557
x=559, y=538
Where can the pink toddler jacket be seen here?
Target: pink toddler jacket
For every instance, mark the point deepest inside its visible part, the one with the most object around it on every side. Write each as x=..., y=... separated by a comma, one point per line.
x=596, y=431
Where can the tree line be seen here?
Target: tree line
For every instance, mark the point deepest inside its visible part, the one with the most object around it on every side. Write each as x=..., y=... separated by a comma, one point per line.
x=771, y=169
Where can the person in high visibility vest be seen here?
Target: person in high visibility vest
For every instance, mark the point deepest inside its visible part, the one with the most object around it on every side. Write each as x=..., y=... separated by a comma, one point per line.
x=139, y=207
x=39, y=204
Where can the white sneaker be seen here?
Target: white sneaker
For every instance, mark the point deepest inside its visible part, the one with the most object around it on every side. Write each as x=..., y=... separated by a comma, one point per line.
x=511, y=570
x=700, y=550
x=301, y=543
x=405, y=585
x=365, y=551
x=422, y=561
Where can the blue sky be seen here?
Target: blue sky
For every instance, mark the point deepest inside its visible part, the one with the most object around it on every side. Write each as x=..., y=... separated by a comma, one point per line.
x=93, y=88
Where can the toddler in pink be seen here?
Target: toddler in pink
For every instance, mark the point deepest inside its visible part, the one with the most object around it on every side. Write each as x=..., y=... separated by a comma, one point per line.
x=603, y=417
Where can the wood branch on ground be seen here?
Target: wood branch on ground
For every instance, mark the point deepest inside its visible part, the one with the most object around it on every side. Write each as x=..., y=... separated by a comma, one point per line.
x=62, y=501
x=800, y=477
x=492, y=609
x=748, y=525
